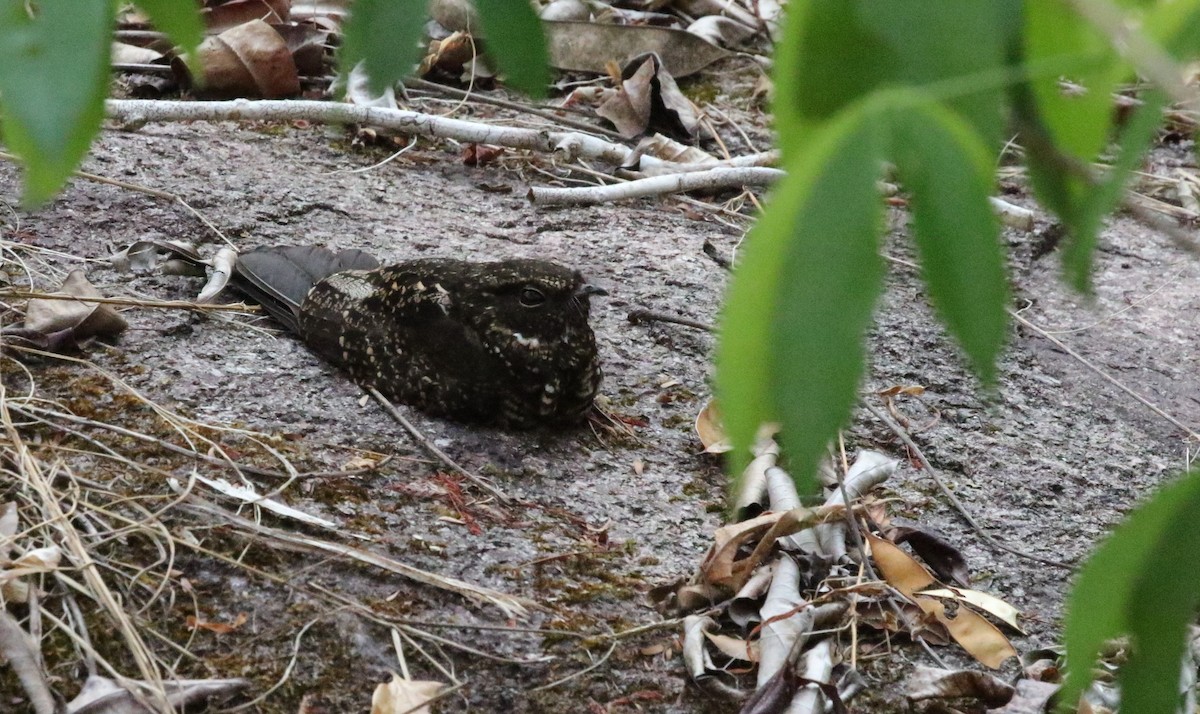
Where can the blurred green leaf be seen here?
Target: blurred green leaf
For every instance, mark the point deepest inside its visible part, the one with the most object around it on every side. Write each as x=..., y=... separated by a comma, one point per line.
x=54, y=74
x=383, y=34
x=180, y=19
x=1141, y=582
x=515, y=41
x=799, y=305
x=1103, y=196
x=949, y=174
x=1079, y=122
x=834, y=52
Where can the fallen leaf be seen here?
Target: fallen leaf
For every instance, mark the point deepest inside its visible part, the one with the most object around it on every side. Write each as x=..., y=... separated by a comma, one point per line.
x=933, y=683
x=404, y=695
x=61, y=324
x=980, y=638
x=589, y=47
x=710, y=430
x=987, y=602
x=647, y=98
x=248, y=60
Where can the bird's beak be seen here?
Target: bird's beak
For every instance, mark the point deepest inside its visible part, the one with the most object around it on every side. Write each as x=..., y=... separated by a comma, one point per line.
x=588, y=290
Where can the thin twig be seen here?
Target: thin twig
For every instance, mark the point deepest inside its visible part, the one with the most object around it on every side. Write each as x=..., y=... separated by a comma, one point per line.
x=643, y=315
x=1110, y=379
x=432, y=449
x=132, y=302
x=958, y=505
x=535, y=111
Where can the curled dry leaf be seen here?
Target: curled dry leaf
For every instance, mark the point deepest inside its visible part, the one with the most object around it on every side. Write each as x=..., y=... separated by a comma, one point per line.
x=734, y=647
x=987, y=602
x=123, y=53
x=676, y=157
x=166, y=256
x=912, y=390
x=249, y=60
x=404, y=695
x=449, y=55
x=710, y=430
x=934, y=683
x=649, y=99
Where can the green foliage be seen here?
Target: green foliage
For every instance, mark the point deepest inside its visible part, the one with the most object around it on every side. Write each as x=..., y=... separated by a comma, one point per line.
x=54, y=66
x=383, y=35
x=54, y=78
x=923, y=85
x=54, y=72
x=514, y=37
x=1141, y=582
x=797, y=322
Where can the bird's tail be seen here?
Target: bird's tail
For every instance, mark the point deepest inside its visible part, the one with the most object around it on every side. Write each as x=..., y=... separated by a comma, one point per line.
x=279, y=277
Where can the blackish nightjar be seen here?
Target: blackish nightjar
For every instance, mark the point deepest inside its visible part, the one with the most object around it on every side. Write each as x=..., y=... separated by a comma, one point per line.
x=506, y=342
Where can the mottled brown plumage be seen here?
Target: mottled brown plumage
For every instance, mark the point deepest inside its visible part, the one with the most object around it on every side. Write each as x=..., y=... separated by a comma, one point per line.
x=506, y=342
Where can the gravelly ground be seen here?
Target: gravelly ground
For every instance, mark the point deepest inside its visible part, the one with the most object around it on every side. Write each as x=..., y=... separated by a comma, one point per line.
x=1048, y=463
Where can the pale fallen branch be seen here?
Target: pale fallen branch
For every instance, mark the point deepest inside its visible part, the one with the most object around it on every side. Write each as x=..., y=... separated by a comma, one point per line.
x=136, y=112
x=722, y=177
x=1012, y=215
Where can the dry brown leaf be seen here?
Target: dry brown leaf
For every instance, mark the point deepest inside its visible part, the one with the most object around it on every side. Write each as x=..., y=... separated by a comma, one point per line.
x=933, y=683
x=718, y=565
x=913, y=390
x=647, y=98
x=404, y=695
x=62, y=324
x=980, y=638
x=249, y=60
x=710, y=430
x=588, y=47
x=987, y=602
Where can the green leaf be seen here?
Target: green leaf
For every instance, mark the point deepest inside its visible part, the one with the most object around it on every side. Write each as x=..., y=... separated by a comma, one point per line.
x=946, y=168
x=1058, y=39
x=1140, y=582
x=515, y=39
x=1134, y=141
x=54, y=74
x=800, y=302
x=180, y=19
x=383, y=34
x=835, y=52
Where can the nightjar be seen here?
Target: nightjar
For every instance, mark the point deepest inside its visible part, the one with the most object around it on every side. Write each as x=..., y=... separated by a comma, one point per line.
x=505, y=342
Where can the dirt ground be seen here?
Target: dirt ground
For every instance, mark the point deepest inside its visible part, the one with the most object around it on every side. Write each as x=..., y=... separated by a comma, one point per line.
x=1048, y=463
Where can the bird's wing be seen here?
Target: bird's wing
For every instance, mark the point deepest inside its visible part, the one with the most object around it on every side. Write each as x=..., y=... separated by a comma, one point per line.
x=279, y=277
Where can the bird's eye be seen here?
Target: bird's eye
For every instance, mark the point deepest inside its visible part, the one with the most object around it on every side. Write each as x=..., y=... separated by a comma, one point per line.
x=532, y=297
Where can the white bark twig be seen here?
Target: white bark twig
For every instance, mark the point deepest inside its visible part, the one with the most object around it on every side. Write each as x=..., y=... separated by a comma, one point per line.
x=711, y=179
x=136, y=112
